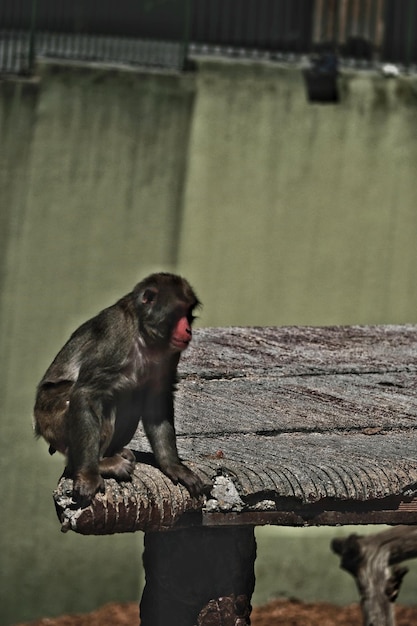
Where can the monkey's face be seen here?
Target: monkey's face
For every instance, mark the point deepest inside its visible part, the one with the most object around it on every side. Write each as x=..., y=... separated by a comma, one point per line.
x=165, y=312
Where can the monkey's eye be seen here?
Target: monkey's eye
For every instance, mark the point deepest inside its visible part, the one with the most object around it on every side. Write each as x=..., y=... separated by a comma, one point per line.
x=149, y=296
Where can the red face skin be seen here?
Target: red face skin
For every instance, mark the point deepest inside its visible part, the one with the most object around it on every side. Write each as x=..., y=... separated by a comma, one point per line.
x=181, y=335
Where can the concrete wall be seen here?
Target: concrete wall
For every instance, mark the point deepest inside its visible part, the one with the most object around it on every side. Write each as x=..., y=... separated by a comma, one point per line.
x=277, y=210
x=299, y=213
x=91, y=171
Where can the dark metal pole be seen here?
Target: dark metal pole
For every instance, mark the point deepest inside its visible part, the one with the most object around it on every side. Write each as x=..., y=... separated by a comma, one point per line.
x=411, y=31
x=186, y=34
x=32, y=37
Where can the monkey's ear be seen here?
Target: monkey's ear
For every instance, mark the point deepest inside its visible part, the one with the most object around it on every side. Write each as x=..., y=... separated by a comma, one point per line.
x=149, y=295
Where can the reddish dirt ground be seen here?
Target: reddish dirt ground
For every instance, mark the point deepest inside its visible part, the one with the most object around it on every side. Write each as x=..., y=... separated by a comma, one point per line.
x=277, y=613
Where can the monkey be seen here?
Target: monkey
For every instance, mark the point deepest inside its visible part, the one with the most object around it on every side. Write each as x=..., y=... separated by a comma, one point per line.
x=115, y=369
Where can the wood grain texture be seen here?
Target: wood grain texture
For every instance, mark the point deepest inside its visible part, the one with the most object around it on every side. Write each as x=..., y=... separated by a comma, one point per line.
x=294, y=417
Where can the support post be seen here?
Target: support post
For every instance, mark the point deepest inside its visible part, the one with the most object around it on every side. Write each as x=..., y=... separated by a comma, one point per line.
x=199, y=577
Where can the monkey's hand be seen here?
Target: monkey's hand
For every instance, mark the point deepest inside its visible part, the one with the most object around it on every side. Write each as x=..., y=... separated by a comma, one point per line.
x=86, y=485
x=119, y=466
x=180, y=473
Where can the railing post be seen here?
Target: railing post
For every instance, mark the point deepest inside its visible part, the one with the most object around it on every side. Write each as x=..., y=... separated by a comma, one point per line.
x=32, y=37
x=186, y=34
x=411, y=31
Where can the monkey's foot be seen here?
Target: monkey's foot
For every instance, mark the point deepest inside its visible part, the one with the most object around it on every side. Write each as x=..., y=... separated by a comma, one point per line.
x=86, y=485
x=119, y=466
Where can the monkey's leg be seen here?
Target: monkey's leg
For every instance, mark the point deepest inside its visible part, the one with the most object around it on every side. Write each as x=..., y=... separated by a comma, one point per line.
x=119, y=466
x=84, y=429
x=51, y=414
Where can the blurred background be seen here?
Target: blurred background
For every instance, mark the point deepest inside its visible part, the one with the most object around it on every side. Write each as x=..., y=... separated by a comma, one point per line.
x=265, y=149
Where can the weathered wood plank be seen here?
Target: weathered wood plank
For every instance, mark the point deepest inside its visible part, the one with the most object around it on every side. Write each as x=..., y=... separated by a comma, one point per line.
x=293, y=417
x=264, y=404
x=285, y=351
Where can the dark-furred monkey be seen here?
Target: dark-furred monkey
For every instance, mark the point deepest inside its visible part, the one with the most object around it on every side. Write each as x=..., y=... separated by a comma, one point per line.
x=117, y=368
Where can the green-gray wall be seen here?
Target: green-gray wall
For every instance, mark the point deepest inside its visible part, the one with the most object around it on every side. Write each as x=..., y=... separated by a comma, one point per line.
x=297, y=213
x=279, y=212
x=91, y=173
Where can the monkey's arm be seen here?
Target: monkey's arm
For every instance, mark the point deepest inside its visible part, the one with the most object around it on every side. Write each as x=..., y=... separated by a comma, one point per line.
x=158, y=423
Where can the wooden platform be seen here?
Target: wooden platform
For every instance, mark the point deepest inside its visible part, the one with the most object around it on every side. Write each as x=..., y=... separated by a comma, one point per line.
x=292, y=426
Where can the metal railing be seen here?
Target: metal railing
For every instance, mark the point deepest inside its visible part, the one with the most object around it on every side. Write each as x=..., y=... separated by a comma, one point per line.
x=356, y=28
x=136, y=32
x=163, y=33
x=17, y=37
x=369, y=30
